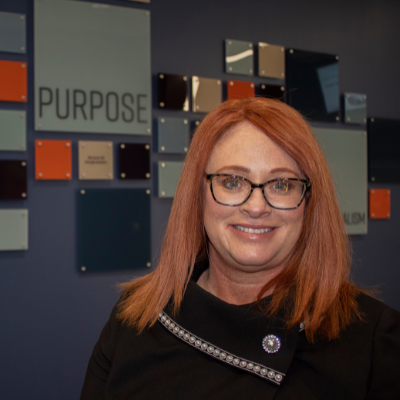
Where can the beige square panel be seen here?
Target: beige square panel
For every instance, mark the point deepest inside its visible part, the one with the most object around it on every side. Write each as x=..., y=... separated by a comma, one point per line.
x=95, y=160
x=271, y=61
x=207, y=93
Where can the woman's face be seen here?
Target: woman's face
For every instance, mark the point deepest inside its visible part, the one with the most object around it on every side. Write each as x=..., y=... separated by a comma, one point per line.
x=246, y=151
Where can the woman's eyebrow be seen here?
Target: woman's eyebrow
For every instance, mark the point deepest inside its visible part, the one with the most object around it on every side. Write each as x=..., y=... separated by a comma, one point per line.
x=234, y=168
x=278, y=170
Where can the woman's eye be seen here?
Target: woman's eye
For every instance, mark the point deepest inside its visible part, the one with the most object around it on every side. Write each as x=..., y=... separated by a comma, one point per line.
x=232, y=183
x=281, y=186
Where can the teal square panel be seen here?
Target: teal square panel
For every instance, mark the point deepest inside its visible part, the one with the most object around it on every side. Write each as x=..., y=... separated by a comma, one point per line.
x=169, y=173
x=173, y=135
x=12, y=130
x=92, y=68
x=355, y=108
x=113, y=229
x=14, y=229
x=12, y=32
x=346, y=153
x=239, y=57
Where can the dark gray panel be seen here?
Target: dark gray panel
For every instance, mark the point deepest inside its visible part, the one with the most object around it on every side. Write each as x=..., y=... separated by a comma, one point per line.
x=12, y=32
x=173, y=135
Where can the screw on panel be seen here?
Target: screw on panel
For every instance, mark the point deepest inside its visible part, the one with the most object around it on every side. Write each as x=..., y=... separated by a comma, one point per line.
x=22, y=48
x=197, y=123
x=262, y=86
x=147, y=147
x=23, y=97
x=372, y=119
x=161, y=76
x=373, y=179
x=291, y=51
x=122, y=146
x=109, y=145
x=250, y=71
x=24, y=214
x=252, y=85
x=197, y=107
x=348, y=96
x=83, y=144
x=282, y=49
x=148, y=265
x=218, y=82
x=68, y=175
x=337, y=57
x=348, y=118
x=162, y=165
x=185, y=149
x=83, y=174
x=83, y=269
x=282, y=88
x=110, y=175
x=23, y=195
x=250, y=44
x=162, y=104
x=229, y=68
x=372, y=191
x=262, y=72
x=231, y=83
x=147, y=13
x=162, y=193
x=388, y=215
x=365, y=119
x=23, y=65
x=229, y=42
x=147, y=174
x=388, y=191
x=148, y=191
x=185, y=121
x=83, y=191
x=365, y=97
x=22, y=17
x=185, y=78
x=23, y=245
x=123, y=175
x=162, y=120
x=148, y=130
x=40, y=174
x=39, y=126
x=23, y=163
x=373, y=214
x=337, y=118
x=68, y=144
x=364, y=133
x=162, y=148
x=282, y=74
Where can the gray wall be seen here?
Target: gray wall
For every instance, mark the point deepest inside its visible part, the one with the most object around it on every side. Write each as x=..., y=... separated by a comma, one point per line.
x=51, y=315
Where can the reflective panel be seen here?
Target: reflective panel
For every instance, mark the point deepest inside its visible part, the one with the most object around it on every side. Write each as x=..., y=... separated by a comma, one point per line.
x=173, y=135
x=173, y=92
x=113, y=229
x=239, y=57
x=12, y=32
x=96, y=160
x=379, y=203
x=53, y=159
x=271, y=61
x=134, y=160
x=207, y=94
x=312, y=84
x=346, y=153
x=240, y=90
x=272, y=91
x=13, y=81
x=169, y=173
x=14, y=229
x=355, y=108
x=92, y=68
x=12, y=130
x=383, y=150
x=13, y=180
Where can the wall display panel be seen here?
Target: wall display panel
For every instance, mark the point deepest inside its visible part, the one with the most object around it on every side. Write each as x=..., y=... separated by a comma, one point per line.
x=169, y=173
x=355, y=108
x=13, y=81
x=173, y=135
x=312, y=84
x=96, y=160
x=379, y=203
x=141, y=1
x=207, y=94
x=12, y=32
x=240, y=90
x=346, y=153
x=13, y=178
x=113, y=229
x=239, y=57
x=383, y=150
x=271, y=61
x=134, y=160
x=92, y=68
x=53, y=159
x=173, y=92
x=12, y=130
x=272, y=91
x=14, y=229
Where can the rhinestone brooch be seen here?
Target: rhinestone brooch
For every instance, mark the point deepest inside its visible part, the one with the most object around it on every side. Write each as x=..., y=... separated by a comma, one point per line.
x=271, y=344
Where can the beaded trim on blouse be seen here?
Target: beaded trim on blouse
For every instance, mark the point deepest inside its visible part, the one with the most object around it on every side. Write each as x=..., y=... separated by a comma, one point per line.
x=218, y=353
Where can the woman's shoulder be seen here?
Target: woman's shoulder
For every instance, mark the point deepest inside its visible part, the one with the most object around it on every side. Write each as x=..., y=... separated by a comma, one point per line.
x=372, y=308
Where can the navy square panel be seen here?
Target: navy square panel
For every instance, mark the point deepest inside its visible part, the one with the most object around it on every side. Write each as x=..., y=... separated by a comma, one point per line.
x=384, y=150
x=312, y=84
x=173, y=92
x=272, y=91
x=13, y=183
x=113, y=229
x=134, y=161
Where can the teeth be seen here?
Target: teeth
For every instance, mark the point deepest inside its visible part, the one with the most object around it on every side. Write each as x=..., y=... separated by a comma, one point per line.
x=251, y=230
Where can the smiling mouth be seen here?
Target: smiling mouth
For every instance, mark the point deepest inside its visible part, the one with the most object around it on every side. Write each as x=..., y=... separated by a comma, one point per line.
x=251, y=230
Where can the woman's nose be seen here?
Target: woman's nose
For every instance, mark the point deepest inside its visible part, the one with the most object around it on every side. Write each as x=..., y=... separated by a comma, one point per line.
x=256, y=205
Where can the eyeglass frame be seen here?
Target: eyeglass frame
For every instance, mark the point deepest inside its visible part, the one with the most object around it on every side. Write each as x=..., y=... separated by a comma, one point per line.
x=306, y=183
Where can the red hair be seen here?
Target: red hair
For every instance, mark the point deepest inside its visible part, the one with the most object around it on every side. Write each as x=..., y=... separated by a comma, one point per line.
x=314, y=287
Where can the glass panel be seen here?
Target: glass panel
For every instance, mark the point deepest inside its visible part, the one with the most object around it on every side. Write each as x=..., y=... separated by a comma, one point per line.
x=240, y=90
x=271, y=61
x=207, y=94
x=172, y=92
x=134, y=160
x=13, y=180
x=92, y=68
x=14, y=229
x=96, y=160
x=169, y=173
x=12, y=32
x=239, y=57
x=12, y=130
x=13, y=81
x=173, y=135
x=312, y=84
x=272, y=91
x=113, y=229
x=383, y=150
x=355, y=108
x=346, y=153
x=53, y=159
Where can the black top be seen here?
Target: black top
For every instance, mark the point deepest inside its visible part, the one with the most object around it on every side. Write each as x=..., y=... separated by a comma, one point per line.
x=213, y=350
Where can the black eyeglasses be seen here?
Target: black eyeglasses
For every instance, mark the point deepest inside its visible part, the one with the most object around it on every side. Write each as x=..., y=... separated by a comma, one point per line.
x=281, y=193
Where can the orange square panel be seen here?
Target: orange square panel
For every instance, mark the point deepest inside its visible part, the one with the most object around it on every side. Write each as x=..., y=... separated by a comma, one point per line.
x=240, y=90
x=13, y=81
x=53, y=159
x=379, y=203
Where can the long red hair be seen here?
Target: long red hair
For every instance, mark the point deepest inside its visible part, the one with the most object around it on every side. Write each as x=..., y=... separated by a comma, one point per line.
x=314, y=287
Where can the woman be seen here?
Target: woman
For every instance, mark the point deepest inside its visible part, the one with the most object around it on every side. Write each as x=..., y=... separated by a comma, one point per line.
x=251, y=297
